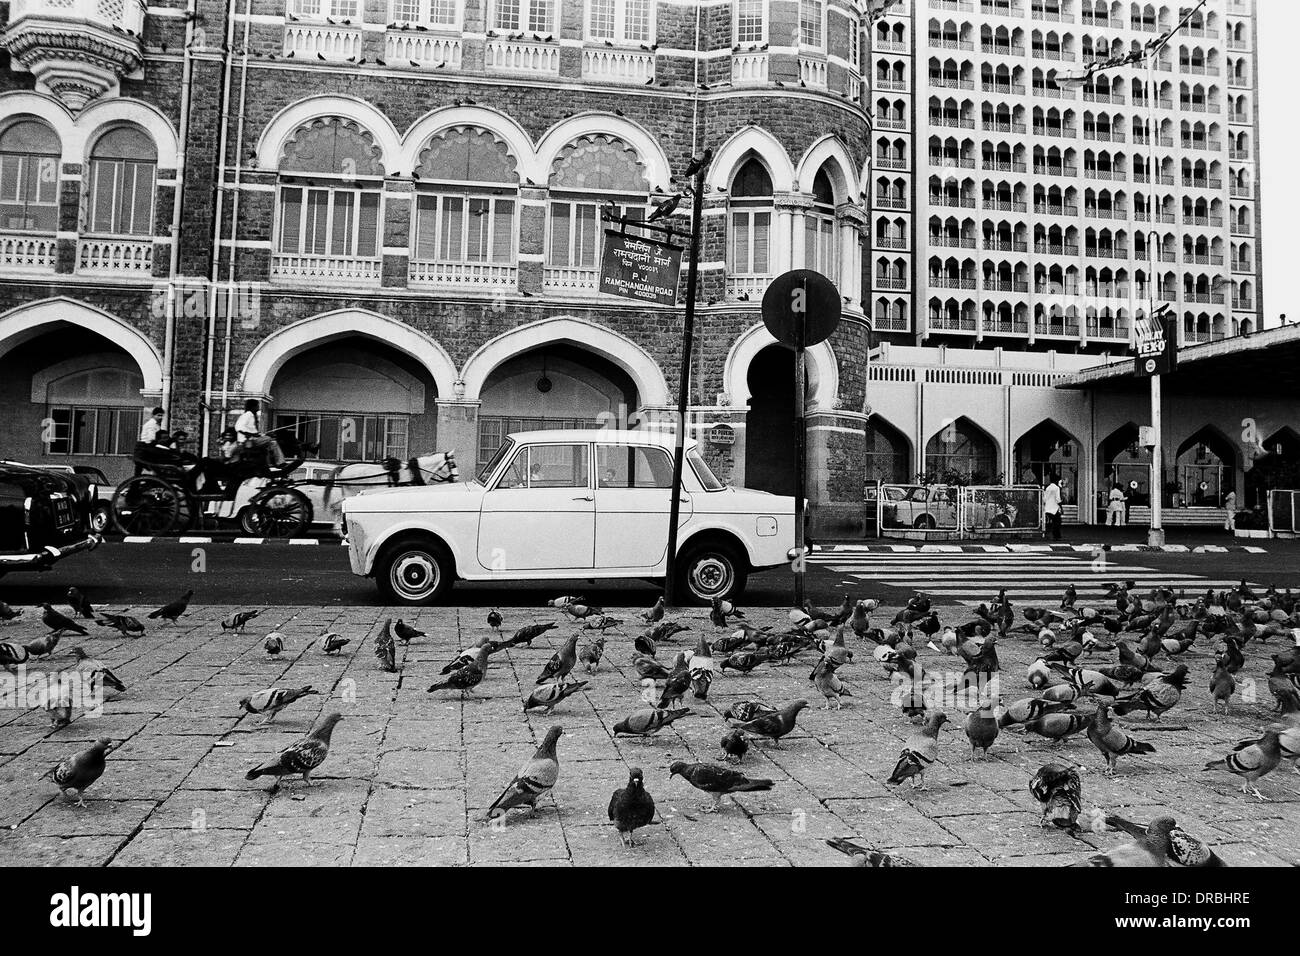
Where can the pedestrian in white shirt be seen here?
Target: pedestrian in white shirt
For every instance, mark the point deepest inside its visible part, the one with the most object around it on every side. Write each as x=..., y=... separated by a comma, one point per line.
x=1115, y=507
x=148, y=433
x=1052, y=508
x=249, y=433
x=1230, y=521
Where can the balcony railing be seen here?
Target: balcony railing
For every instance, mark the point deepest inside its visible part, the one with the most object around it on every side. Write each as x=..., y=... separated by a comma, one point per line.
x=116, y=256
x=812, y=72
x=335, y=43
x=748, y=68
x=606, y=65
x=952, y=282
x=523, y=56
x=1056, y=209
x=1057, y=329
x=487, y=276
x=431, y=48
x=751, y=286
x=325, y=269
x=952, y=242
x=1117, y=331
x=25, y=253
x=890, y=283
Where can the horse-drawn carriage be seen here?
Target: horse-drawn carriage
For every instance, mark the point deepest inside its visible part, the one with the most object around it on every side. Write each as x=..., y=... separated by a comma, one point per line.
x=263, y=499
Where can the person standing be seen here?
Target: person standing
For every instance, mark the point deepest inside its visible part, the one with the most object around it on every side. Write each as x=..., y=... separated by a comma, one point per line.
x=1115, y=507
x=1230, y=520
x=1052, y=508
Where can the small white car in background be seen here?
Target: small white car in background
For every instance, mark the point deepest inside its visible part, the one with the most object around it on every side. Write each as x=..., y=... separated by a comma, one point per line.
x=555, y=505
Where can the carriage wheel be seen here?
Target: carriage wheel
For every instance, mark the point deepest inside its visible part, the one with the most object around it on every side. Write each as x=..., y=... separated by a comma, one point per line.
x=146, y=505
x=280, y=513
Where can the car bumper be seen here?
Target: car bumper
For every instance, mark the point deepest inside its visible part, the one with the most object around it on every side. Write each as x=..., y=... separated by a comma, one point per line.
x=40, y=560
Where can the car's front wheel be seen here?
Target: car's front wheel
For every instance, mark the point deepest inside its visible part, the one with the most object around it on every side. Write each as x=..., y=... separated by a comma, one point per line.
x=414, y=571
x=710, y=571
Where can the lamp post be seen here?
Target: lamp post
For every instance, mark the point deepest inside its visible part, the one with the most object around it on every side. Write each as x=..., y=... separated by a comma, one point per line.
x=1075, y=80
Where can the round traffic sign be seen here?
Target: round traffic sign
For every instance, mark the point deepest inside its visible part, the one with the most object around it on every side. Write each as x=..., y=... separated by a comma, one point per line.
x=801, y=307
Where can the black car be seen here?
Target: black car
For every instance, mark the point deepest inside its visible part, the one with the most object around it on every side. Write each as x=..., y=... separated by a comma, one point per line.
x=44, y=516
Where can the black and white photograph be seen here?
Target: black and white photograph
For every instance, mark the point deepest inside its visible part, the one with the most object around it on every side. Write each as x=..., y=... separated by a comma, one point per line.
x=650, y=433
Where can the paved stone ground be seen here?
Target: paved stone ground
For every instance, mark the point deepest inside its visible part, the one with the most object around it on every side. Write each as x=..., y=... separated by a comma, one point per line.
x=409, y=772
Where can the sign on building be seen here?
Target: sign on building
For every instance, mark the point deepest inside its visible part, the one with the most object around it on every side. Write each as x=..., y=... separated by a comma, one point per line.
x=643, y=269
x=722, y=434
x=1155, y=351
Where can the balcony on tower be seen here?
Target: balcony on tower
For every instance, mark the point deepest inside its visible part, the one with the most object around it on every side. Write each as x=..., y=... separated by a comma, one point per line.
x=78, y=50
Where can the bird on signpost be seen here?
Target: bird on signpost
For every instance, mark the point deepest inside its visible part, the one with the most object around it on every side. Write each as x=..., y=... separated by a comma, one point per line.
x=665, y=208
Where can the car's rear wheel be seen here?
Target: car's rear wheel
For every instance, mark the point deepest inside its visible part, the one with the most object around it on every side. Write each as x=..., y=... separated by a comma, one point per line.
x=924, y=522
x=710, y=570
x=414, y=571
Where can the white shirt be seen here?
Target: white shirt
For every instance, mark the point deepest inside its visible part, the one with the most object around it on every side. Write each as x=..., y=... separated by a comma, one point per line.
x=246, y=425
x=1052, y=499
x=150, y=430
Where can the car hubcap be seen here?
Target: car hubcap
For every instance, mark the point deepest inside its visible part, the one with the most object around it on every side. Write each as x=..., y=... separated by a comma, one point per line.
x=415, y=575
x=710, y=576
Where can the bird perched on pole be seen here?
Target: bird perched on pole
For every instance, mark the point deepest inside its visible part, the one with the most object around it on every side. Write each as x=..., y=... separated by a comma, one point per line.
x=273, y=700
x=631, y=807
x=561, y=663
x=922, y=750
x=1182, y=847
x=59, y=623
x=75, y=773
x=80, y=604
x=1111, y=741
x=171, y=612
x=1059, y=793
x=716, y=780
x=301, y=757
x=664, y=208
x=535, y=779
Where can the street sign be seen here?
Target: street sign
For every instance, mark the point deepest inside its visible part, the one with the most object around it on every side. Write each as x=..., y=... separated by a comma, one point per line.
x=722, y=434
x=801, y=301
x=1154, y=348
x=643, y=269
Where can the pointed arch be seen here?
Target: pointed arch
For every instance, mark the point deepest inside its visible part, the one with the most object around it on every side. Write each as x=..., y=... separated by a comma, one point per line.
x=762, y=144
x=823, y=370
x=28, y=321
x=829, y=149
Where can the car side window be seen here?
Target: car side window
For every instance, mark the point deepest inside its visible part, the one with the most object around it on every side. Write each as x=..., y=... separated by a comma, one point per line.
x=630, y=466
x=516, y=474
x=547, y=466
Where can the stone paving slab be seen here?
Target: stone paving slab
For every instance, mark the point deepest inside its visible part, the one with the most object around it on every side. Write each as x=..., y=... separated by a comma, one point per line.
x=410, y=773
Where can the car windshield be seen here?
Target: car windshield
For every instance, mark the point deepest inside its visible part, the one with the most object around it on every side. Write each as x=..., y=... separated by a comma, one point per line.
x=486, y=471
x=703, y=472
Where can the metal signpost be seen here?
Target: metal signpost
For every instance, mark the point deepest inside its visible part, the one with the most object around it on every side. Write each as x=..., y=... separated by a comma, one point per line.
x=801, y=308
x=1155, y=354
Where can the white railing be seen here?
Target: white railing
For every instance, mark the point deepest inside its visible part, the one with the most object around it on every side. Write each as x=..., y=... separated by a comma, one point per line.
x=125, y=14
x=115, y=255
x=423, y=48
x=334, y=43
x=464, y=275
x=618, y=66
x=27, y=253
x=570, y=279
x=325, y=268
x=749, y=68
x=812, y=72
x=523, y=57
x=752, y=286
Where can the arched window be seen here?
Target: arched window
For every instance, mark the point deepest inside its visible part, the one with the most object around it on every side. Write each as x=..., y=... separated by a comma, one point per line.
x=123, y=166
x=465, y=206
x=330, y=194
x=819, y=228
x=749, y=221
x=886, y=452
x=29, y=178
x=592, y=173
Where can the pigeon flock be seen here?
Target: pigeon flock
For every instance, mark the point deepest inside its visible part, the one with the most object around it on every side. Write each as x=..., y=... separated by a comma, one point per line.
x=1105, y=680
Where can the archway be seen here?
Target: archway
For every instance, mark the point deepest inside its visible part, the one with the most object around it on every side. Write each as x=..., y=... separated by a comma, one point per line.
x=1206, y=466
x=1048, y=450
x=1124, y=462
x=888, y=453
x=770, y=421
x=961, y=453
x=1277, y=466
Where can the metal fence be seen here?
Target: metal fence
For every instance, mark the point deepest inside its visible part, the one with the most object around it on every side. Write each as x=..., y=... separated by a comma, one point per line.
x=1284, y=511
x=957, y=510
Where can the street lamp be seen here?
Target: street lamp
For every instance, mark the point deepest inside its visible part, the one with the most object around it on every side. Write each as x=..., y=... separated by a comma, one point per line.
x=1074, y=80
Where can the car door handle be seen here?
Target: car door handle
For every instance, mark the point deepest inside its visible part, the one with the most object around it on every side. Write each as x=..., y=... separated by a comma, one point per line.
x=586, y=498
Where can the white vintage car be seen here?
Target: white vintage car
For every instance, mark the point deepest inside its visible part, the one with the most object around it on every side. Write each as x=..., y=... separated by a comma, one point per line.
x=555, y=505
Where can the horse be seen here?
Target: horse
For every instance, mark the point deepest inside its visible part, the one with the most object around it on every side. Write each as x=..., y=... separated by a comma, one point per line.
x=355, y=477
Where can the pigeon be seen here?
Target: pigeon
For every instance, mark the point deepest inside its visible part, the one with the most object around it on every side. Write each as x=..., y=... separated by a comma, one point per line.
x=385, y=649
x=562, y=602
x=744, y=661
x=922, y=750
x=273, y=700
x=464, y=657
x=80, y=604
x=525, y=635
x=1059, y=792
x=716, y=780
x=645, y=644
x=745, y=710
x=1156, y=697
x=7, y=613
x=405, y=633
x=655, y=614
x=494, y=620
x=580, y=612
x=11, y=654
x=664, y=630
x=631, y=807
x=602, y=623
x=700, y=667
x=466, y=678
x=1252, y=761
x=1059, y=726
x=238, y=620
x=58, y=622
x=534, y=779
x=1182, y=847
x=124, y=624
x=648, y=668
x=43, y=646
x=982, y=728
x=776, y=724
x=865, y=856
x=333, y=643
x=676, y=684
x=591, y=654
x=98, y=671
x=720, y=610
x=76, y=773
x=548, y=695
x=1150, y=849
x=561, y=662
x=302, y=757
x=1111, y=741
x=170, y=612
x=274, y=643
x=1284, y=687
x=59, y=706
x=664, y=208
x=860, y=621
x=827, y=681
x=643, y=723
x=734, y=744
